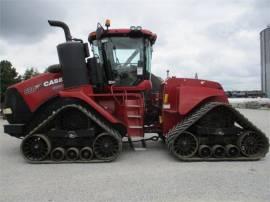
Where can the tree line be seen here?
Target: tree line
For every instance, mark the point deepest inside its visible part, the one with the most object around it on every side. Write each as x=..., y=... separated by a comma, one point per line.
x=9, y=76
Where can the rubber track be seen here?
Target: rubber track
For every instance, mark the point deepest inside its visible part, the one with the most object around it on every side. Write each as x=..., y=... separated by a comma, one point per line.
x=89, y=114
x=188, y=121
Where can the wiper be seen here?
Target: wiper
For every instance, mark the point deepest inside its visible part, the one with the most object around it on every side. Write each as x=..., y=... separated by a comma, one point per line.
x=115, y=55
x=107, y=65
x=131, y=57
x=114, y=50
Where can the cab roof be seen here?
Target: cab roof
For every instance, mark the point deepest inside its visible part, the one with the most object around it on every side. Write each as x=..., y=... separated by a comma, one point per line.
x=125, y=33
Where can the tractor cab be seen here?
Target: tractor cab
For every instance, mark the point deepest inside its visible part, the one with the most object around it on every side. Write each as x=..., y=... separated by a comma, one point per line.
x=123, y=54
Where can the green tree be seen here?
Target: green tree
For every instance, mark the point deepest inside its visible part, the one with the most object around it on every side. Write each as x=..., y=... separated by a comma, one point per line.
x=8, y=76
x=29, y=73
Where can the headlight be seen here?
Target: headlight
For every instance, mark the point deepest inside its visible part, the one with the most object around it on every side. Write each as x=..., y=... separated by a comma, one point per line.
x=138, y=28
x=132, y=28
x=7, y=111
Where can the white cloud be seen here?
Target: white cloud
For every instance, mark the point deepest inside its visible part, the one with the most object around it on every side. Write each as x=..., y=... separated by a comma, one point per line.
x=217, y=39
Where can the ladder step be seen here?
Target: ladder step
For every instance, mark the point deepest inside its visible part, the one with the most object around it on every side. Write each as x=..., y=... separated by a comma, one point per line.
x=136, y=106
x=139, y=148
x=135, y=127
x=134, y=116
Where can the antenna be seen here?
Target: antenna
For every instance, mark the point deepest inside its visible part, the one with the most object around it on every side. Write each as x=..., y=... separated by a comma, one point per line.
x=196, y=75
x=168, y=72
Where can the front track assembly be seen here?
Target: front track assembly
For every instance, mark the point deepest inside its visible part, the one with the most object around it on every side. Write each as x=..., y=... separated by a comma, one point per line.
x=38, y=148
x=248, y=143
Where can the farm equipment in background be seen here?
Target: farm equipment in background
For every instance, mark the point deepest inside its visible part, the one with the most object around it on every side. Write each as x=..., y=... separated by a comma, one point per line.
x=81, y=109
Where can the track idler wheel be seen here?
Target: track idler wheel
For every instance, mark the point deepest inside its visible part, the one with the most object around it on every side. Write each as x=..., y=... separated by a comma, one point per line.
x=205, y=151
x=185, y=145
x=72, y=154
x=218, y=151
x=35, y=147
x=232, y=150
x=86, y=154
x=107, y=146
x=252, y=144
x=58, y=154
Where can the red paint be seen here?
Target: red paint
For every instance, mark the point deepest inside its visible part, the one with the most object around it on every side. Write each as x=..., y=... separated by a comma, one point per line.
x=186, y=94
x=125, y=105
x=112, y=105
x=143, y=86
x=81, y=94
x=115, y=107
x=42, y=93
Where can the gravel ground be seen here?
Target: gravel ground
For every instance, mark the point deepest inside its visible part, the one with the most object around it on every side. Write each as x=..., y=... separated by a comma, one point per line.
x=151, y=175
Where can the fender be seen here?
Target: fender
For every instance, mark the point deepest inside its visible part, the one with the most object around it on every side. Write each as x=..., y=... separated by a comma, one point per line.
x=83, y=93
x=191, y=96
x=183, y=95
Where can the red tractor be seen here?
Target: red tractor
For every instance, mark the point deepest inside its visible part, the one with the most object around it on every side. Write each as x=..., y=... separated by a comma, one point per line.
x=81, y=109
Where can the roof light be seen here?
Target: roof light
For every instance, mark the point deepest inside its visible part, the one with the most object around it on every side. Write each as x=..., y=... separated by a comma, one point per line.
x=108, y=23
x=138, y=28
x=132, y=28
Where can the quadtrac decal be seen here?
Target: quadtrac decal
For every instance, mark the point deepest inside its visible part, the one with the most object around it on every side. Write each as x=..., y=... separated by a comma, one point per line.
x=55, y=83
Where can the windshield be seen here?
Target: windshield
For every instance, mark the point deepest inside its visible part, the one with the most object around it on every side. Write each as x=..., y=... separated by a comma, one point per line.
x=128, y=58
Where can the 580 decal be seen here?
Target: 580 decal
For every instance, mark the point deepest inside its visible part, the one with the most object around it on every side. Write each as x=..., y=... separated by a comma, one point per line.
x=45, y=84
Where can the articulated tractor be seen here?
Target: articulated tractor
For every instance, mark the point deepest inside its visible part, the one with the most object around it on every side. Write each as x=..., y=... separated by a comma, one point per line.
x=81, y=109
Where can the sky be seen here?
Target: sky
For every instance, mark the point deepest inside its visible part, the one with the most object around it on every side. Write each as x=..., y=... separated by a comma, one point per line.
x=218, y=39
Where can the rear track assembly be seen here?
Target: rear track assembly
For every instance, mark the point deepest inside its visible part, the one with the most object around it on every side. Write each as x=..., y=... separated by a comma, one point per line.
x=252, y=143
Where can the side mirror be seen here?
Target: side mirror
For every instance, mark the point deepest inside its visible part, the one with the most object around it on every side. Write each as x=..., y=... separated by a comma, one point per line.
x=95, y=72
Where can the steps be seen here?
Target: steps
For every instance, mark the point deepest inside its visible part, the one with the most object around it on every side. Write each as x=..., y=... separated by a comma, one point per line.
x=134, y=117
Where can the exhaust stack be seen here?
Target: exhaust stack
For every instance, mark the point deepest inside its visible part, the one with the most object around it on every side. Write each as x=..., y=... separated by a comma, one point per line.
x=62, y=25
x=71, y=55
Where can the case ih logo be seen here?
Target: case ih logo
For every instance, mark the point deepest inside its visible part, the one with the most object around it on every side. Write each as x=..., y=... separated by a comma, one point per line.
x=45, y=84
x=52, y=82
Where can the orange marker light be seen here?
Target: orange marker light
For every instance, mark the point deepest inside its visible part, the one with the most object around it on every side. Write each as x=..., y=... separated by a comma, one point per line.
x=108, y=23
x=166, y=98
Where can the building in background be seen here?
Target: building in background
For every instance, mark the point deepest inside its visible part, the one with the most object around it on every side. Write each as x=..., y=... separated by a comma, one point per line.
x=265, y=61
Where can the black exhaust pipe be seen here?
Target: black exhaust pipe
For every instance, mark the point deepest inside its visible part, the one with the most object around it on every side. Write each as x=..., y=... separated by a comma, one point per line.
x=63, y=26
